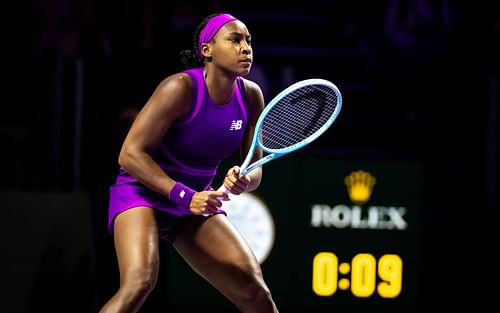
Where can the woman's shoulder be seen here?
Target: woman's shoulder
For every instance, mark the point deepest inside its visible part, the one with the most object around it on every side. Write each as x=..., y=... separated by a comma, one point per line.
x=250, y=85
x=178, y=82
x=252, y=89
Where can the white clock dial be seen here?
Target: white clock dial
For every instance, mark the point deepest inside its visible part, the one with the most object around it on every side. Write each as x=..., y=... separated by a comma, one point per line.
x=253, y=220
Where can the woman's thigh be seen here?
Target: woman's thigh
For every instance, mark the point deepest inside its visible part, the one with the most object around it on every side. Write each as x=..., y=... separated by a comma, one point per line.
x=136, y=242
x=216, y=251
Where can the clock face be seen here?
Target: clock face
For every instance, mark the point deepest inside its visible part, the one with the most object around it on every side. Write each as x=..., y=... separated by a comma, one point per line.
x=253, y=220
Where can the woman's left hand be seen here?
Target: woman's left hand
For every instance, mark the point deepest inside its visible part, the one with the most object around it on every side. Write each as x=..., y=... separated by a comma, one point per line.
x=236, y=183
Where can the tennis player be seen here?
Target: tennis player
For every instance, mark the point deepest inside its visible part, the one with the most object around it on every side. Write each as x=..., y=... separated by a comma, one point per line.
x=169, y=158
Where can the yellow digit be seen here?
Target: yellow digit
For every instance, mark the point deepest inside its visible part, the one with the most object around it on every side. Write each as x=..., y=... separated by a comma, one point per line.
x=363, y=275
x=390, y=270
x=324, y=276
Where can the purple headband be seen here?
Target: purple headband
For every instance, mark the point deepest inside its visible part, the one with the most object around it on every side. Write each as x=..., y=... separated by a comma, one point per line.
x=211, y=29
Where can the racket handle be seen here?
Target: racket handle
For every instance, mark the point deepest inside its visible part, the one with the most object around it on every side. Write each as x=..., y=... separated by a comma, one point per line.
x=223, y=188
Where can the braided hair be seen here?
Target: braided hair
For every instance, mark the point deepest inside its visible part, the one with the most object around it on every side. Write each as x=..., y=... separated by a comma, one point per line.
x=189, y=57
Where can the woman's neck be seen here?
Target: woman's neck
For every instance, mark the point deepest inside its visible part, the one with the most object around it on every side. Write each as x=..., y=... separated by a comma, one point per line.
x=220, y=86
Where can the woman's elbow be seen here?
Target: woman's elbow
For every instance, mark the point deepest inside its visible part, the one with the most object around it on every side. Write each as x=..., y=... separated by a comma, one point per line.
x=125, y=157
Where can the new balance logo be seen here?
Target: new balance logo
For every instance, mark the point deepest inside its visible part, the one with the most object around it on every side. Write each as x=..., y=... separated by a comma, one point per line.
x=236, y=125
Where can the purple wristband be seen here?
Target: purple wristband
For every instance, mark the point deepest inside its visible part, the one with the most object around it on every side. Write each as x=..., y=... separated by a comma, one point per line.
x=181, y=195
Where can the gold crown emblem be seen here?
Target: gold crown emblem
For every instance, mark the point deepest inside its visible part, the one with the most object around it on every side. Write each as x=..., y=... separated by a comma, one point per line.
x=360, y=186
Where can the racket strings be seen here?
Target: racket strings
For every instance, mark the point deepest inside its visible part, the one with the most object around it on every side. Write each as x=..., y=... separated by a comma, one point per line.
x=297, y=116
x=287, y=127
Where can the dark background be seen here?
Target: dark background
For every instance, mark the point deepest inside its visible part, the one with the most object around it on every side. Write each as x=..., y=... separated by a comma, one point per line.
x=419, y=81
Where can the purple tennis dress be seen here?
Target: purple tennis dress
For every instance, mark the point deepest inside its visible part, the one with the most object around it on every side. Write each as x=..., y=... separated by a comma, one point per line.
x=190, y=152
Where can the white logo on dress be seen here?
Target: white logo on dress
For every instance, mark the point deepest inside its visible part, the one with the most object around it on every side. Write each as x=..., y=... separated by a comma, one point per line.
x=236, y=125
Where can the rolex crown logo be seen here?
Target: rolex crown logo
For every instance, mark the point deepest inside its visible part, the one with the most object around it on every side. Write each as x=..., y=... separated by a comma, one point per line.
x=359, y=186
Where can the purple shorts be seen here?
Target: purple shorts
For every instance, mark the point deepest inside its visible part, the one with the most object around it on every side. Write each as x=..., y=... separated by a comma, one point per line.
x=169, y=225
x=128, y=195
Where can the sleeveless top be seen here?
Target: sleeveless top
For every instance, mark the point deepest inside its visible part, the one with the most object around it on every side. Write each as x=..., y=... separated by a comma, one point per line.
x=190, y=152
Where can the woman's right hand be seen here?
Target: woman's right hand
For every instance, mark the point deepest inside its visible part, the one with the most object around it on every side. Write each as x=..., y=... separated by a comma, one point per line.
x=207, y=202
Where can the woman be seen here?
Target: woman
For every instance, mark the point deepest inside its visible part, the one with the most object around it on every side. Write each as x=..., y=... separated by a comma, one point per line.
x=169, y=158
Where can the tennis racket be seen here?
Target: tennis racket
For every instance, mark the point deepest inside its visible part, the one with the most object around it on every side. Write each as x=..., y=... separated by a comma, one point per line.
x=293, y=119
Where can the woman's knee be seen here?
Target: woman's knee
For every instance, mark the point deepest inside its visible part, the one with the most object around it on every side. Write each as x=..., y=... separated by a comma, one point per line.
x=139, y=281
x=252, y=286
x=256, y=297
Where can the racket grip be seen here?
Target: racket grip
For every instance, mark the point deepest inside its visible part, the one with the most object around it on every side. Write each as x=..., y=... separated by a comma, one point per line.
x=224, y=189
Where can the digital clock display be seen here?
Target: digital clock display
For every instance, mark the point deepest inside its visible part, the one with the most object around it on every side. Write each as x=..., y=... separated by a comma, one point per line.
x=365, y=271
x=345, y=238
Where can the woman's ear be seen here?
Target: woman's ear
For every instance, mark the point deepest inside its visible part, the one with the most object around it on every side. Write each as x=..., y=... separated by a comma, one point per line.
x=205, y=50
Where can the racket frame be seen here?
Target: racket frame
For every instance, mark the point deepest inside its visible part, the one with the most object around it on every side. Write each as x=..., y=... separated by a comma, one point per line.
x=272, y=154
